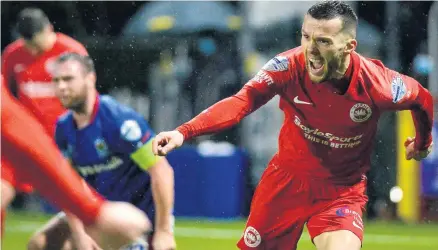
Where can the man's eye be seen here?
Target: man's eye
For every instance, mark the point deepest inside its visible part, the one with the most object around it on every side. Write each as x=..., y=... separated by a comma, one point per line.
x=68, y=78
x=323, y=42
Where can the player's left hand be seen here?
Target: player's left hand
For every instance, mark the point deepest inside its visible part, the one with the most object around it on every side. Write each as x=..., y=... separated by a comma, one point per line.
x=412, y=153
x=163, y=240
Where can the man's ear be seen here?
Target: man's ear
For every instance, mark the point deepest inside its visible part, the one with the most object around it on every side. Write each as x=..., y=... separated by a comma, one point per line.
x=350, y=46
x=91, y=78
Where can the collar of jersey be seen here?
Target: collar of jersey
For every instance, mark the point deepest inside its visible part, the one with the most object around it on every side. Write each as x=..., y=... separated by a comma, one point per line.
x=93, y=114
x=95, y=108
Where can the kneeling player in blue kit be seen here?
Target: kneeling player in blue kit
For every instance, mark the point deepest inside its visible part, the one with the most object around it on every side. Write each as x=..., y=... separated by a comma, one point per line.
x=110, y=145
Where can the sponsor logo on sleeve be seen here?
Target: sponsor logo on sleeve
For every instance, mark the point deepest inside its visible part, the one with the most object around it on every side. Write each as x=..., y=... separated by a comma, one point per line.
x=398, y=89
x=130, y=131
x=278, y=63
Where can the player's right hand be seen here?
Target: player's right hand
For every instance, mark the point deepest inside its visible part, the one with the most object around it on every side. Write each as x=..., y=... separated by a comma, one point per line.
x=165, y=142
x=163, y=241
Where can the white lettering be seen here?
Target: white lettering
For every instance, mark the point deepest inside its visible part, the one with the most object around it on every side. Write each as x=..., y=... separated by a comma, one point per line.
x=113, y=163
x=263, y=77
x=328, y=139
x=37, y=89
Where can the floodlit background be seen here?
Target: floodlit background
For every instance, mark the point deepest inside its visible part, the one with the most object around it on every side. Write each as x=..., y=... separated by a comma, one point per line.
x=171, y=60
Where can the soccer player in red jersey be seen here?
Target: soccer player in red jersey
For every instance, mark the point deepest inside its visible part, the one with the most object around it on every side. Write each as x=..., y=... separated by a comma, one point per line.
x=26, y=66
x=32, y=152
x=332, y=98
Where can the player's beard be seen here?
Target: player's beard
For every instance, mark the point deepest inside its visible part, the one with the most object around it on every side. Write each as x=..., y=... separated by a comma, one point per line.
x=78, y=103
x=331, y=65
x=335, y=66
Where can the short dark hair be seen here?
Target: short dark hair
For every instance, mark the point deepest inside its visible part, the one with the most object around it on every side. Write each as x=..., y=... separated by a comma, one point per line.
x=31, y=21
x=86, y=61
x=328, y=10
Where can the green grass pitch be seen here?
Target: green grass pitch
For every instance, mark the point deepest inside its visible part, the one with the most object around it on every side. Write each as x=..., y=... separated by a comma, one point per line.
x=222, y=235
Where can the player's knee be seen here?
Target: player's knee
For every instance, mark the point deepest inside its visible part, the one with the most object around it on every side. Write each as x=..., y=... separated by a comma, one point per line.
x=37, y=242
x=337, y=240
x=132, y=225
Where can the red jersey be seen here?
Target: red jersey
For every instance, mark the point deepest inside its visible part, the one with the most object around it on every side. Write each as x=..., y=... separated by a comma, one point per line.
x=325, y=135
x=32, y=77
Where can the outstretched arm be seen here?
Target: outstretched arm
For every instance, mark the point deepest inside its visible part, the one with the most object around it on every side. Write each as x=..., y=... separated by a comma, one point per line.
x=268, y=82
x=229, y=111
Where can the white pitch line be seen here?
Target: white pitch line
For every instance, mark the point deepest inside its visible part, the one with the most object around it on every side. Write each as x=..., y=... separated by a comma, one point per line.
x=212, y=233
x=235, y=234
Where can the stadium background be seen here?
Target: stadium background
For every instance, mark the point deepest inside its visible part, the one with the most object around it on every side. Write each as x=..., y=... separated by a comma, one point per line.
x=172, y=60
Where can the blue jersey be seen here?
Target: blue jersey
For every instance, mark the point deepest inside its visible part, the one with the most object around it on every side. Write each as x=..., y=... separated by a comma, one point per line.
x=112, y=153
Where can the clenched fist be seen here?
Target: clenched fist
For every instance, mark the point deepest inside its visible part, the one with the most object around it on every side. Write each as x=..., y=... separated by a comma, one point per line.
x=412, y=153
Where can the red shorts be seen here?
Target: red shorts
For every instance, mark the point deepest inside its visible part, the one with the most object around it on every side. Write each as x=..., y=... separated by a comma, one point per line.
x=283, y=203
x=12, y=176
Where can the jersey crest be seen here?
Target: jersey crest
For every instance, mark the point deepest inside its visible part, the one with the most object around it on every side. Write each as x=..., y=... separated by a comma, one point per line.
x=101, y=148
x=360, y=112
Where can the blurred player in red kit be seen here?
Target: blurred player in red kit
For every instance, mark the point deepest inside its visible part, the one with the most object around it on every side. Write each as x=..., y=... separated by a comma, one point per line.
x=32, y=152
x=332, y=98
x=26, y=65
